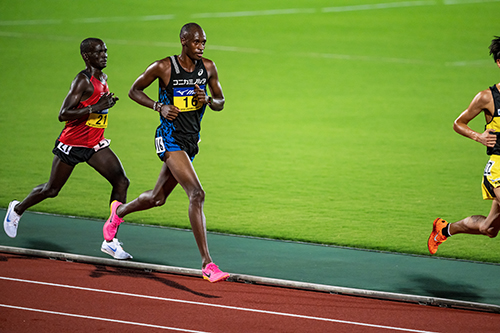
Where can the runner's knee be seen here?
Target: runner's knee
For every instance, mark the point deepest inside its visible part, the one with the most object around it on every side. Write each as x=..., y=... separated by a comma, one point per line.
x=197, y=196
x=157, y=201
x=488, y=230
x=123, y=182
x=491, y=232
x=50, y=192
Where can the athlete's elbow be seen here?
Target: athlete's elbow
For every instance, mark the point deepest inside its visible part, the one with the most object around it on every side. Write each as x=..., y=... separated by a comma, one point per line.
x=219, y=105
x=131, y=93
x=134, y=94
x=62, y=116
x=458, y=127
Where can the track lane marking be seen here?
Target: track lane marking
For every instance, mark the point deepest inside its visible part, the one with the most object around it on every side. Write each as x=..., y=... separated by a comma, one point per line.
x=284, y=314
x=100, y=318
x=250, y=13
x=472, y=63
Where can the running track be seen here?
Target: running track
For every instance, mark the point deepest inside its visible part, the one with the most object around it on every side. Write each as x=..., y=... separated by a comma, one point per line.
x=43, y=295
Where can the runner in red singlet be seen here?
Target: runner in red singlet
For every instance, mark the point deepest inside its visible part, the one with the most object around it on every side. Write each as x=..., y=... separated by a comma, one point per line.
x=85, y=111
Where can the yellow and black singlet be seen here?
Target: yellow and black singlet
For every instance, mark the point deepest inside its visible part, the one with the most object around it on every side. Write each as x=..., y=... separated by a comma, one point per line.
x=494, y=124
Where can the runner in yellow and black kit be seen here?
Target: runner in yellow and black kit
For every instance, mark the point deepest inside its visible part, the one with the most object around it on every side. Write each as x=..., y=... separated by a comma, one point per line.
x=491, y=178
x=487, y=101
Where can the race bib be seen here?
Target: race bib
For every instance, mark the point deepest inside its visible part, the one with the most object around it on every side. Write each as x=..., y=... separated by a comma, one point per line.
x=102, y=144
x=185, y=99
x=98, y=119
x=487, y=169
x=160, y=146
x=64, y=148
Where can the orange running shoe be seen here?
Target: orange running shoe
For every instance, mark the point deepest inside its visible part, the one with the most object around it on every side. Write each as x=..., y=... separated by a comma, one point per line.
x=436, y=238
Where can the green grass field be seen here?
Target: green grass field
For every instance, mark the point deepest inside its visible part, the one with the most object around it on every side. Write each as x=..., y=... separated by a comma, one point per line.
x=337, y=127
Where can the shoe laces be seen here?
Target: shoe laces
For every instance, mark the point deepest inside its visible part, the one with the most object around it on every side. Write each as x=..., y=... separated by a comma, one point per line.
x=14, y=217
x=214, y=268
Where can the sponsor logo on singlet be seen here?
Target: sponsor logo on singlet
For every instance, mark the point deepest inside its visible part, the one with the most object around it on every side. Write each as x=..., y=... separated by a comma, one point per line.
x=188, y=82
x=185, y=99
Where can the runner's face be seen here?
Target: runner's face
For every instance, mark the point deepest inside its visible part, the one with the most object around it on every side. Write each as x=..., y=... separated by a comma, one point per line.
x=195, y=44
x=98, y=57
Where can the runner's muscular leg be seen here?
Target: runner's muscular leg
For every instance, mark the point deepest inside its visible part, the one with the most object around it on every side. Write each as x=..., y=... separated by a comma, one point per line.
x=59, y=174
x=109, y=166
x=479, y=224
x=491, y=225
x=152, y=198
x=182, y=169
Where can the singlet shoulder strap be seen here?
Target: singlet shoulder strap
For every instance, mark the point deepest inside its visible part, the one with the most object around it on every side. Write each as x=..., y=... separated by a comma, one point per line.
x=87, y=74
x=175, y=64
x=494, y=90
x=496, y=100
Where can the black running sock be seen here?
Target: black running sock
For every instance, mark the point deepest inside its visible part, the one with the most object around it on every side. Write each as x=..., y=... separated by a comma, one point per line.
x=446, y=230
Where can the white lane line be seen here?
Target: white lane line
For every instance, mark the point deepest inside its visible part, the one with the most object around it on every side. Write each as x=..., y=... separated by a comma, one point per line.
x=90, y=20
x=269, y=12
x=473, y=63
x=99, y=318
x=256, y=13
x=460, y=2
x=284, y=314
x=123, y=19
x=378, y=6
x=10, y=34
x=30, y=22
x=364, y=58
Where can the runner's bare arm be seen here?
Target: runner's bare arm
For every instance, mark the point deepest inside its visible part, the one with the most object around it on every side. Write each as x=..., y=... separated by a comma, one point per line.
x=80, y=90
x=157, y=70
x=217, y=103
x=482, y=102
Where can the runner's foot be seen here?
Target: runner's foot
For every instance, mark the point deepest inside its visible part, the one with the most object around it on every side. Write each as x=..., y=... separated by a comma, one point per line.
x=436, y=238
x=212, y=273
x=110, y=228
x=115, y=249
x=11, y=221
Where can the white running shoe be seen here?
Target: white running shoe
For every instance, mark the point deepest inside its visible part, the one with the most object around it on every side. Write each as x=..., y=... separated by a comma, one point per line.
x=115, y=249
x=11, y=220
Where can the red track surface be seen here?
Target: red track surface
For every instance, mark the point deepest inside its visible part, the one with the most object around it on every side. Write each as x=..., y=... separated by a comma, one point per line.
x=43, y=295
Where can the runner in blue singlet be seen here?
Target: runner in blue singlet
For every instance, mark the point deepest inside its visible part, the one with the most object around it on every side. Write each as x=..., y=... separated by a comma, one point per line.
x=183, y=98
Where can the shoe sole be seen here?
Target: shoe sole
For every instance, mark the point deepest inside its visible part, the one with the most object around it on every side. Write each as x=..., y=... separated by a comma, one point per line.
x=224, y=278
x=111, y=253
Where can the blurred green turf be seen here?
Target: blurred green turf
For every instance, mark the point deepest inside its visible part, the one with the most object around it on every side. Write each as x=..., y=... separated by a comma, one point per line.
x=338, y=120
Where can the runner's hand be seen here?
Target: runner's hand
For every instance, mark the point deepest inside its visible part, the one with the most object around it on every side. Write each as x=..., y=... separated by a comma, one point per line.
x=169, y=111
x=488, y=138
x=105, y=102
x=200, y=94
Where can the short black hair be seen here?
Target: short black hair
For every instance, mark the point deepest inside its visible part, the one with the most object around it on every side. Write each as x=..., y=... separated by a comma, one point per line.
x=188, y=28
x=495, y=48
x=86, y=45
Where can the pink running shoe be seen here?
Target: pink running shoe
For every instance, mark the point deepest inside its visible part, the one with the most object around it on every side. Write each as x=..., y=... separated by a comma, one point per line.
x=111, y=226
x=212, y=273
